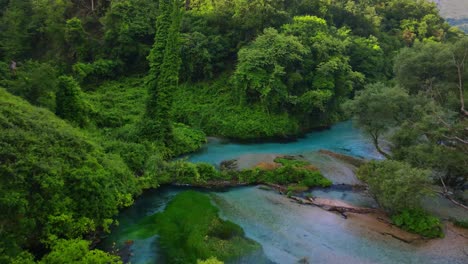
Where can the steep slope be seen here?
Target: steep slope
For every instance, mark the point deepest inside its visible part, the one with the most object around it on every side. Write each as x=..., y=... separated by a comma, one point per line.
x=54, y=181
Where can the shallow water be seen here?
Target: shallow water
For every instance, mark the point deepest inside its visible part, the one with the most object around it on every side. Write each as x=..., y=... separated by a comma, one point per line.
x=287, y=231
x=342, y=138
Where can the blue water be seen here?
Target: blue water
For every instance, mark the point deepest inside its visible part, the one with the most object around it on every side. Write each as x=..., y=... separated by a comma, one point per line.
x=289, y=232
x=342, y=138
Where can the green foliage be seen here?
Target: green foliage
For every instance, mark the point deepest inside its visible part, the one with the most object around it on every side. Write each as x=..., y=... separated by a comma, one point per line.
x=118, y=103
x=396, y=185
x=419, y=222
x=70, y=102
x=14, y=23
x=129, y=27
x=379, y=108
x=99, y=70
x=284, y=175
x=163, y=76
x=461, y=223
x=36, y=82
x=76, y=39
x=211, y=260
x=55, y=182
x=210, y=108
x=286, y=161
x=198, y=233
x=77, y=251
x=262, y=71
x=186, y=139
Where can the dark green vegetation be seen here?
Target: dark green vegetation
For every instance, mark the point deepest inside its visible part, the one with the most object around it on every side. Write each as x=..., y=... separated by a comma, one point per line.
x=423, y=116
x=190, y=229
x=56, y=181
x=125, y=85
x=461, y=223
x=419, y=222
x=294, y=174
x=284, y=175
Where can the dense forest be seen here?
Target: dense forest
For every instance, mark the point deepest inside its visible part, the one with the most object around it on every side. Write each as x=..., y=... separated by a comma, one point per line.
x=97, y=97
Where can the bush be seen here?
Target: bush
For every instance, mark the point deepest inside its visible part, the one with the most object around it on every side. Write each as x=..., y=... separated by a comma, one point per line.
x=212, y=108
x=461, y=223
x=186, y=139
x=70, y=102
x=419, y=222
x=96, y=71
x=284, y=175
x=36, y=82
x=396, y=185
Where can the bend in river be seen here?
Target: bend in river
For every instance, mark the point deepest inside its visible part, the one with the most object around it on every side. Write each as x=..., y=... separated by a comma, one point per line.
x=289, y=232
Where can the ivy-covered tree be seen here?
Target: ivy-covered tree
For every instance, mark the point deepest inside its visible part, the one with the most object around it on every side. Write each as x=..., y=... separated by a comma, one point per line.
x=163, y=75
x=70, y=102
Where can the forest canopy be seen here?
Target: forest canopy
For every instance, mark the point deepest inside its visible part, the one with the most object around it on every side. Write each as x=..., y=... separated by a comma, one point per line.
x=97, y=97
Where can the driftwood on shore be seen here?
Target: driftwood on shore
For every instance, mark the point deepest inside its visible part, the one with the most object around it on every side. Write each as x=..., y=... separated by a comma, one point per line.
x=333, y=206
x=326, y=204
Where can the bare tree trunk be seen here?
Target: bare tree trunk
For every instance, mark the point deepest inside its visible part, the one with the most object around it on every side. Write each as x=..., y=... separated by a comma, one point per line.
x=460, y=69
x=92, y=5
x=187, y=4
x=375, y=140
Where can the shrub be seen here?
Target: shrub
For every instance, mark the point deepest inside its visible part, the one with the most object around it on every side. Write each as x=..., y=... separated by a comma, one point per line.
x=186, y=139
x=419, y=222
x=98, y=70
x=396, y=185
x=461, y=223
x=70, y=102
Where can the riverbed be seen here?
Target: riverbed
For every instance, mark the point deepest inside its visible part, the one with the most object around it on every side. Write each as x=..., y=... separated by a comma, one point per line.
x=287, y=231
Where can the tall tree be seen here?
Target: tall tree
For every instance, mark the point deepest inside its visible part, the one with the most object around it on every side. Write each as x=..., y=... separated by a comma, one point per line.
x=164, y=74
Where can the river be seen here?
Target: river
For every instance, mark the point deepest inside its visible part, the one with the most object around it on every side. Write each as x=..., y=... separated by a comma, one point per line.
x=289, y=232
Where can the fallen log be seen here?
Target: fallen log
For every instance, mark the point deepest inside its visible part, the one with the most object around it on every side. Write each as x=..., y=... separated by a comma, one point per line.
x=337, y=206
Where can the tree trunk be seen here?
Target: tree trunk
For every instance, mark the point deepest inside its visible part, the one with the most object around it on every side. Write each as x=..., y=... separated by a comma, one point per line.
x=375, y=140
x=460, y=68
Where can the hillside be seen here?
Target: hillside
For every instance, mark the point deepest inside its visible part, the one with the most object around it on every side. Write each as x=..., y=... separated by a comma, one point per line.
x=455, y=11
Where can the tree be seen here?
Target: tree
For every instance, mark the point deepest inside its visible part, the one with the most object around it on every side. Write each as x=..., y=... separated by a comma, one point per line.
x=15, y=38
x=396, y=185
x=77, y=251
x=76, y=40
x=129, y=28
x=459, y=52
x=35, y=82
x=377, y=109
x=265, y=67
x=70, y=102
x=163, y=75
x=55, y=182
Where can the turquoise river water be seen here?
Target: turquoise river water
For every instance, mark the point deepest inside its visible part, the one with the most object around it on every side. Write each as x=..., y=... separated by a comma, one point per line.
x=289, y=232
